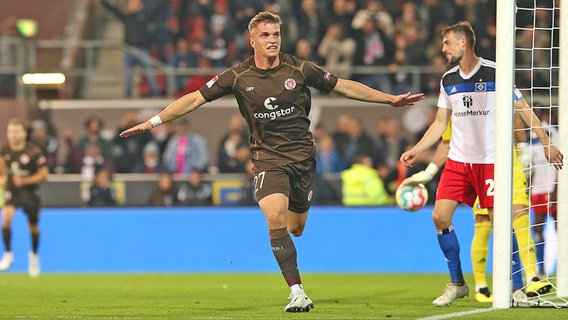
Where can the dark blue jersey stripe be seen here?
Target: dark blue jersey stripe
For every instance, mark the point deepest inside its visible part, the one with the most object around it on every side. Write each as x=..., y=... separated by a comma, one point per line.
x=466, y=87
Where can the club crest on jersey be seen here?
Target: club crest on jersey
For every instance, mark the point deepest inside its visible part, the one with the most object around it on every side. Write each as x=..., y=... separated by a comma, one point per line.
x=481, y=87
x=24, y=159
x=211, y=82
x=290, y=84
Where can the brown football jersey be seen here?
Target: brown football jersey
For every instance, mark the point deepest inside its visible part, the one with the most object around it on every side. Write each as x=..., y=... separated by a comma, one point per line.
x=22, y=163
x=275, y=104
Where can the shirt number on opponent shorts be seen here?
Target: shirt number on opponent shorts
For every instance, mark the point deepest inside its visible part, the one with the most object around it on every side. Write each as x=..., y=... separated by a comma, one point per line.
x=490, y=187
x=259, y=180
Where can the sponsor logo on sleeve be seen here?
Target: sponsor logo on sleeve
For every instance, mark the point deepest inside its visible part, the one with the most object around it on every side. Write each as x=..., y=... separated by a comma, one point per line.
x=211, y=82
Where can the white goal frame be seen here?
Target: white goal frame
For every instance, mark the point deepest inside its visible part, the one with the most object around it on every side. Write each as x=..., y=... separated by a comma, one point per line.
x=502, y=246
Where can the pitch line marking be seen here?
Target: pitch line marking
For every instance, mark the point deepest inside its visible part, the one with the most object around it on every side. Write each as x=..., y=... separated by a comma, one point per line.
x=459, y=314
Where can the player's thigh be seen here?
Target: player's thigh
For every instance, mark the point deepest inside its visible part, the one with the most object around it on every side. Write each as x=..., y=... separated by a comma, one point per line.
x=303, y=181
x=482, y=177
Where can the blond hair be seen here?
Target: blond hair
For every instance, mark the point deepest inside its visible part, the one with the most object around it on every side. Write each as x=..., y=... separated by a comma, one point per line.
x=263, y=16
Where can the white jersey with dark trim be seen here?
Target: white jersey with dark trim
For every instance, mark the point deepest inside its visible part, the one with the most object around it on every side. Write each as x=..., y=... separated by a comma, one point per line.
x=471, y=97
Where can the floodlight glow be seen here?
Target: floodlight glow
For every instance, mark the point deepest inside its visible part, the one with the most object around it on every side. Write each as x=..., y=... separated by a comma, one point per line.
x=43, y=78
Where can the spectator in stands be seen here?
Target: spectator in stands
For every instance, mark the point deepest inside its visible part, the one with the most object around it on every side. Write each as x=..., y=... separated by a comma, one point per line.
x=165, y=194
x=218, y=44
x=373, y=49
x=186, y=150
x=151, y=160
x=78, y=154
x=374, y=10
x=233, y=154
x=102, y=193
x=392, y=143
x=230, y=142
x=342, y=12
x=93, y=159
x=195, y=192
x=358, y=142
x=185, y=56
x=328, y=161
x=305, y=51
x=49, y=144
x=311, y=23
x=127, y=153
x=337, y=51
x=362, y=185
x=135, y=20
x=159, y=35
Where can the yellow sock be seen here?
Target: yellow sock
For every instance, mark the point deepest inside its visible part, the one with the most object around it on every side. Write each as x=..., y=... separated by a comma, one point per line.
x=527, y=253
x=480, y=251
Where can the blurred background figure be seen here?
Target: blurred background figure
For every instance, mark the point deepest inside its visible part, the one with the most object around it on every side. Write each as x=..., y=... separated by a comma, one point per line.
x=48, y=143
x=165, y=193
x=127, y=153
x=195, y=191
x=186, y=150
x=151, y=159
x=362, y=185
x=102, y=193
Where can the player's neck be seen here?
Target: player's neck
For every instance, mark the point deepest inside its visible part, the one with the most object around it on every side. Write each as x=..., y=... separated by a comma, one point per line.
x=469, y=62
x=266, y=63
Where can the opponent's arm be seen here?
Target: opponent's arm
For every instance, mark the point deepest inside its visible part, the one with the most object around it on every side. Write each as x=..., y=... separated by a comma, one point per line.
x=553, y=155
x=437, y=161
x=357, y=91
x=176, y=109
x=431, y=136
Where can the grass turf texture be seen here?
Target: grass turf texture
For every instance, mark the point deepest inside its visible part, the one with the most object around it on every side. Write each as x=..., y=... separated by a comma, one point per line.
x=237, y=296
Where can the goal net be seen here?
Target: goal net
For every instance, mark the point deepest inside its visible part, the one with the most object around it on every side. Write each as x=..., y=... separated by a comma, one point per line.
x=537, y=74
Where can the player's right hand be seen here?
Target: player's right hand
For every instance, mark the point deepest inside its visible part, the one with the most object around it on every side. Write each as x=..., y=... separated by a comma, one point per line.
x=421, y=177
x=145, y=126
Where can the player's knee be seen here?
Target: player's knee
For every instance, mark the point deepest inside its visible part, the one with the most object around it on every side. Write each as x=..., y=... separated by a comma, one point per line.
x=441, y=221
x=296, y=231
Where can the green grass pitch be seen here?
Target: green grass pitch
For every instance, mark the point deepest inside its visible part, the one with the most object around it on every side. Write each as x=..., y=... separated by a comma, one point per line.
x=239, y=296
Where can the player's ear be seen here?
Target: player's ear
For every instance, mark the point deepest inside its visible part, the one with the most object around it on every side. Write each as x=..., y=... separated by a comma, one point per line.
x=251, y=42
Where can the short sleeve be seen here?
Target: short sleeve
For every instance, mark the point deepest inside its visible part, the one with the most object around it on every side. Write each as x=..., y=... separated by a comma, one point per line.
x=318, y=78
x=218, y=86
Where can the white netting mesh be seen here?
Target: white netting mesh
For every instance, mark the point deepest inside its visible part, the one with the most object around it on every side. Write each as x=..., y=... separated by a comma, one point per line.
x=537, y=76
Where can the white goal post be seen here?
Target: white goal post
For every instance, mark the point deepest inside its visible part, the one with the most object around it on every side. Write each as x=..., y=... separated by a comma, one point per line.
x=505, y=82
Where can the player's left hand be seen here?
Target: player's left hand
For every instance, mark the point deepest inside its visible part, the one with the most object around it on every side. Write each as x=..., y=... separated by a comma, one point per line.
x=145, y=126
x=554, y=157
x=406, y=99
x=408, y=158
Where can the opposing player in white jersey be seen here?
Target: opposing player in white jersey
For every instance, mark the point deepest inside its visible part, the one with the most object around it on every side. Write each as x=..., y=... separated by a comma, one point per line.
x=543, y=187
x=467, y=96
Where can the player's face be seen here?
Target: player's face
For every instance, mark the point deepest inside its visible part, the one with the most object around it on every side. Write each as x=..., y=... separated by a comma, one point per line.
x=453, y=47
x=265, y=39
x=16, y=135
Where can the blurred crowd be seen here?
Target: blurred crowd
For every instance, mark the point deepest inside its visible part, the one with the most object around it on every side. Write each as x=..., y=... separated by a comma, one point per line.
x=337, y=34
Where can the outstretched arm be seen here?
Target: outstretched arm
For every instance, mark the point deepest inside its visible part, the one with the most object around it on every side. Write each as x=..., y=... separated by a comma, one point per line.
x=553, y=155
x=176, y=109
x=358, y=91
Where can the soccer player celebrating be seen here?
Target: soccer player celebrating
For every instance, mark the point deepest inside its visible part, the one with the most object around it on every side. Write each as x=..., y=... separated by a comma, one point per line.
x=467, y=97
x=23, y=167
x=272, y=93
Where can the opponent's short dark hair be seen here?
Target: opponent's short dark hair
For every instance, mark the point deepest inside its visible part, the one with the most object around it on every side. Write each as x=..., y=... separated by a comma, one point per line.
x=463, y=28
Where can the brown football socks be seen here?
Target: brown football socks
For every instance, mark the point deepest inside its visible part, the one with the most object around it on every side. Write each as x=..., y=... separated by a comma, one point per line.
x=284, y=251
